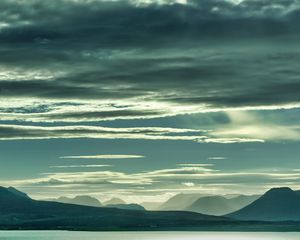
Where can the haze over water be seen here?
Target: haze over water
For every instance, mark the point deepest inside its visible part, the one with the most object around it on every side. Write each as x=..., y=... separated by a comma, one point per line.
x=64, y=235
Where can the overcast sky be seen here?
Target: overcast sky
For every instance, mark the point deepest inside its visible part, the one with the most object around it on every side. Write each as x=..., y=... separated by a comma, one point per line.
x=145, y=99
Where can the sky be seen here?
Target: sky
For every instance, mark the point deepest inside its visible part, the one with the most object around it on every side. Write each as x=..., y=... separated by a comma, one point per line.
x=145, y=99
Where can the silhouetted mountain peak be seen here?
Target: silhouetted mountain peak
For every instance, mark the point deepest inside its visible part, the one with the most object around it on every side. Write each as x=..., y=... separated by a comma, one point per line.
x=280, y=190
x=277, y=204
x=12, y=192
x=17, y=192
x=280, y=193
x=12, y=200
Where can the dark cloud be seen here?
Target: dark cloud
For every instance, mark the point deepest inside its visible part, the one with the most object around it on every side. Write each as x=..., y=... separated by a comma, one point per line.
x=217, y=54
x=58, y=30
x=121, y=23
x=59, y=89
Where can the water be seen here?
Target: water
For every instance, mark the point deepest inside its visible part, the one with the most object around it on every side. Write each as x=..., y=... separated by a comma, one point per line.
x=63, y=235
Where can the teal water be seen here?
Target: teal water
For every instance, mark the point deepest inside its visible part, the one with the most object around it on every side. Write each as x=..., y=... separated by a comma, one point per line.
x=63, y=235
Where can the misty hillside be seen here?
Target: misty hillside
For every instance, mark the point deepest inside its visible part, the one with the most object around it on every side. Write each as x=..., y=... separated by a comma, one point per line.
x=180, y=201
x=218, y=205
x=151, y=205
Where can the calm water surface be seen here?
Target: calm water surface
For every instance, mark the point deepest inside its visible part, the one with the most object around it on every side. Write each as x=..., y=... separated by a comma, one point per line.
x=62, y=235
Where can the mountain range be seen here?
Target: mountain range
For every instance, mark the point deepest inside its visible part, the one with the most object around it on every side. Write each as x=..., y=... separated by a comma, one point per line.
x=86, y=200
x=211, y=205
x=18, y=211
x=277, y=204
x=277, y=210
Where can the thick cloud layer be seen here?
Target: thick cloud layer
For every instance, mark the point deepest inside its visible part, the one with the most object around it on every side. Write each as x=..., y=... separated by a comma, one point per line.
x=66, y=60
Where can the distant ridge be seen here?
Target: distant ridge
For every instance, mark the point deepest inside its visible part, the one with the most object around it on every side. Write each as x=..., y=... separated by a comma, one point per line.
x=114, y=201
x=81, y=200
x=131, y=206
